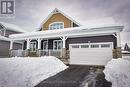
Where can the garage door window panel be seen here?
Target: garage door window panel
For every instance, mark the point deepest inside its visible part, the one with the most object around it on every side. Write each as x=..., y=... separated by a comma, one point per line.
x=95, y=46
x=105, y=46
x=84, y=46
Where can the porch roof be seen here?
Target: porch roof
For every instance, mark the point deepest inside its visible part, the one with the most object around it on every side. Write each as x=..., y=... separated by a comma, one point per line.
x=69, y=32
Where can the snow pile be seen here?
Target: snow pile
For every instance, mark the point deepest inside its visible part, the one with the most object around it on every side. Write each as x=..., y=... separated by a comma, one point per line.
x=28, y=72
x=117, y=71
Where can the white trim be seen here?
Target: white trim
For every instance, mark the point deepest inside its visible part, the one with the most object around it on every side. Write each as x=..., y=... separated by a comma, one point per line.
x=57, y=44
x=54, y=23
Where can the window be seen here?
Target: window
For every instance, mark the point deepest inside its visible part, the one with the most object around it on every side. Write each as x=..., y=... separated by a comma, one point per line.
x=95, y=46
x=56, y=25
x=57, y=44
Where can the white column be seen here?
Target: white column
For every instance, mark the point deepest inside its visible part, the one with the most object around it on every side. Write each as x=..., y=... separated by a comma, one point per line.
x=118, y=39
x=11, y=45
x=39, y=43
x=28, y=44
x=63, y=39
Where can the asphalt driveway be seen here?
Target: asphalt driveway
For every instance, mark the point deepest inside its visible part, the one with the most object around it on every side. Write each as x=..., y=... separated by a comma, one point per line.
x=77, y=76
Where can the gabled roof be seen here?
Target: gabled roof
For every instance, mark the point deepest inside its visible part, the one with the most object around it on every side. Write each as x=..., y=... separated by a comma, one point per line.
x=58, y=11
x=12, y=27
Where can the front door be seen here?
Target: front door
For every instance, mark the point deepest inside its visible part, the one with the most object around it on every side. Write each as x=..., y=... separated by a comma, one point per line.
x=33, y=46
x=57, y=44
x=45, y=45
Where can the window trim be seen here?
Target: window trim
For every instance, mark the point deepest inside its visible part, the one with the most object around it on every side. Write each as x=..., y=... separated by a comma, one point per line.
x=54, y=23
x=57, y=41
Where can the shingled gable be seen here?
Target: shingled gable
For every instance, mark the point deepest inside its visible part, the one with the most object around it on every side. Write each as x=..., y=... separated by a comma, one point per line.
x=55, y=11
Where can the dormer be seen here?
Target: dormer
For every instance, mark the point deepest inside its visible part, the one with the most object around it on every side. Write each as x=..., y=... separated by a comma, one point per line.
x=58, y=20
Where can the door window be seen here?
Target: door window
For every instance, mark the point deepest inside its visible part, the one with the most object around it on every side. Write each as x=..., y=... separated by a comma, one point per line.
x=45, y=45
x=57, y=44
x=32, y=46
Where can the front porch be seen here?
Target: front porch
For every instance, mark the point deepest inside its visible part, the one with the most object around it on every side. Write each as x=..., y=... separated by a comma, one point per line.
x=41, y=47
x=39, y=53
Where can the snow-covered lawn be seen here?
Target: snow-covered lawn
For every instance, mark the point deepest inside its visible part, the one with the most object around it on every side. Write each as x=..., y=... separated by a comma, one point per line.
x=28, y=72
x=126, y=57
x=117, y=71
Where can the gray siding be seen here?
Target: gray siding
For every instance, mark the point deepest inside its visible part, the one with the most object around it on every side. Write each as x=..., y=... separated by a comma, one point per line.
x=4, y=48
x=94, y=39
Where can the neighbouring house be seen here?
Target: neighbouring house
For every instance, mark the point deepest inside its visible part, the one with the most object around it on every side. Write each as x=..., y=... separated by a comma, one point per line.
x=7, y=29
x=73, y=43
x=126, y=50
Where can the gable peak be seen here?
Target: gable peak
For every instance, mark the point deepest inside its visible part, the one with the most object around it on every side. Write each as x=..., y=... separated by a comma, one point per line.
x=55, y=10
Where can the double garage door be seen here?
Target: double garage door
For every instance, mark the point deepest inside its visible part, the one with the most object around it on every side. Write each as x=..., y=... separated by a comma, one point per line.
x=90, y=53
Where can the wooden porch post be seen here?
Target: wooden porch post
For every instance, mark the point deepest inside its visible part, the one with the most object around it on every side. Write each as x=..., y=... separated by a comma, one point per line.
x=39, y=47
x=11, y=48
x=11, y=45
x=64, y=46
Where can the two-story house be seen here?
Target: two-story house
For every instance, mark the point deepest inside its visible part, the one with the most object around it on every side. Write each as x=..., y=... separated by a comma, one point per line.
x=7, y=29
x=63, y=37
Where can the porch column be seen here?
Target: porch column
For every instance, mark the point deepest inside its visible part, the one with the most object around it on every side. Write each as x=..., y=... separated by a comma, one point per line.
x=39, y=47
x=28, y=44
x=118, y=49
x=118, y=39
x=64, y=39
x=11, y=45
x=39, y=43
x=63, y=55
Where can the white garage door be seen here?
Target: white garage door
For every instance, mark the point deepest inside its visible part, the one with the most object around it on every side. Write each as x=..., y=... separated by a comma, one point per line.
x=91, y=53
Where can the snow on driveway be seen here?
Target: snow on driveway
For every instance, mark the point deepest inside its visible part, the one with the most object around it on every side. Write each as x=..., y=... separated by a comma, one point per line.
x=117, y=71
x=28, y=72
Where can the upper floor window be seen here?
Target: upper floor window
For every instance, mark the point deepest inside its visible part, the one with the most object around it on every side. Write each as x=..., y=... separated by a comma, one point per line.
x=56, y=25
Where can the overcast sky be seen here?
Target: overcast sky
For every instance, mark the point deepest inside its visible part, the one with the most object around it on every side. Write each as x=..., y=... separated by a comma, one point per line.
x=30, y=13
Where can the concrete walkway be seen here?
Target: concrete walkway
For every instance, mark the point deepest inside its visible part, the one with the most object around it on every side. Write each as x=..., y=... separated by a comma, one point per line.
x=77, y=76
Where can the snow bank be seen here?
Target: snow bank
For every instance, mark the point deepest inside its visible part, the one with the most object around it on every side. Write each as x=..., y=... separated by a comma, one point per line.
x=117, y=71
x=28, y=72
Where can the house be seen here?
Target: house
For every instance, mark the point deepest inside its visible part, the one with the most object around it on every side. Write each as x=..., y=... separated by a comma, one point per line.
x=126, y=50
x=73, y=43
x=5, y=30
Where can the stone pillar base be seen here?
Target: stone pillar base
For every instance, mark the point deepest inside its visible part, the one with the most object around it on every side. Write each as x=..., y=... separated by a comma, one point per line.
x=117, y=53
x=27, y=52
x=63, y=53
